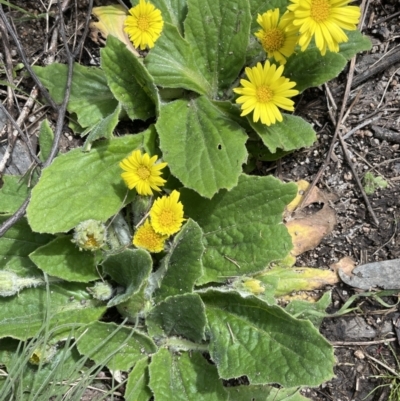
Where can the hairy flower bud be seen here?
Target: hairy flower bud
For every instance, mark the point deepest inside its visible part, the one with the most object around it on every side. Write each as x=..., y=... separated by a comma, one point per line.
x=90, y=235
x=254, y=286
x=43, y=354
x=102, y=291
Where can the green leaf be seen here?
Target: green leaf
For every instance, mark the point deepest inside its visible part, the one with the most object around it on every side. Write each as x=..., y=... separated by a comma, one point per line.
x=75, y=181
x=290, y=134
x=46, y=138
x=68, y=304
x=103, y=129
x=130, y=268
x=184, y=378
x=208, y=153
x=313, y=311
x=118, y=347
x=172, y=63
x=264, y=393
x=357, y=43
x=180, y=315
x=91, y=98
x=16, y=245
x=182, y=263
x=173, y=11
x=309, y=68
x=218, y=34
x=61, y=258
x=128, y=79
x=13, y=193
x=243, y=228
x=249, y=337
x=138, y=379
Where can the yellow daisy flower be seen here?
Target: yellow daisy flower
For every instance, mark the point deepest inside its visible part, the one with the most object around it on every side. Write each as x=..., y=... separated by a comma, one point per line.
x=265, y=91
x=141, y=173
x=166, y=214
x=144, y=25
x=278, y=36
x=146, y=238
x=325, y=19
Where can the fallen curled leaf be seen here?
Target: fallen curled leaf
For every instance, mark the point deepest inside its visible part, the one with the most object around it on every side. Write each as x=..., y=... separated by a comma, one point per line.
x=345, y=264
x=302, y=186
x=307, y=232
x=385, y=274
x=111, y=22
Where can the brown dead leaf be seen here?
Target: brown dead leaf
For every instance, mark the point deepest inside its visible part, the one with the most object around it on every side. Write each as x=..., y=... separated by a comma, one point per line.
x=307, y=232
x=347, y=264
x=111, y=22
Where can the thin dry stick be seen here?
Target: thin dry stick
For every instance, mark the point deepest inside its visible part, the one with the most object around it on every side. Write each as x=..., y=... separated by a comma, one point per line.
x=347, y=343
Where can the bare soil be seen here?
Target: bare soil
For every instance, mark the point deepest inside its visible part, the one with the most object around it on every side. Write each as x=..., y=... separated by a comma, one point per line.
x=368, y=334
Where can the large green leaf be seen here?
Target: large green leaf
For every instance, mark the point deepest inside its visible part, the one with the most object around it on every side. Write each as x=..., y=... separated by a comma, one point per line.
x=137, y=386
x=242, y=228
x=218, y=32
x=357, y=43
x=172, y=63
x=249, y=337
x=61, y=258
x=117, y=347
x=16, y=245
x=68, y=304
x=204, y=149
x=180, y=315
x=91, y=98
x=129, y=80
x=309, y=68
x=130, y=268
x=290, y=134
x=173, y=11
x=13, y=193
x=70, y=187
x=184, y=378
x=183, y=262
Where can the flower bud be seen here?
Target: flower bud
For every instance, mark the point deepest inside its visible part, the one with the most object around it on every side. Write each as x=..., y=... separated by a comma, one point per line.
x=43, y=354
x=102, y=291
x=254, y=286
x=90, y=235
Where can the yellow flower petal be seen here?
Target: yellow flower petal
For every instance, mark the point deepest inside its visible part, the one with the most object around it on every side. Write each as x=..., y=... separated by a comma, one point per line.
x=144, y=25
x=141, y=173
x=146, y=238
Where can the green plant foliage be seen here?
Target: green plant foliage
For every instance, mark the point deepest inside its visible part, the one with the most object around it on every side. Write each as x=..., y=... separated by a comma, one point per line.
x=129, y=268
x=218, y=36
x=269, y=333
x=290, y=134
x=310, y=69
x=17, y=244
x=137, y=386
x=173, y=65
x=13, y=193
x=136, y=92
x=63, y=259
x=23, y=314
x=237, y=240
x=210, y=149
x=180, y=315
x=203, y=308
x=372, y=183
x=118, y=347
x=46, y=137
x=264, y=393
x=182, y=266
x=61, y=199
x=184, y=378
x=91, y=98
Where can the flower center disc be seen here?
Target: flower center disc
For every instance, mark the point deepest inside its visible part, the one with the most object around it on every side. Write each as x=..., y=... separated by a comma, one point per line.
x=264, y=94
x=273, y=40
x=143, y=23
x=143, y=173
x=320, y=10
x=166, y=218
